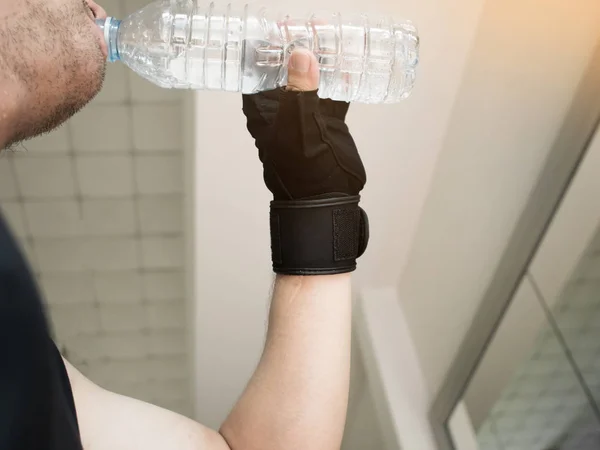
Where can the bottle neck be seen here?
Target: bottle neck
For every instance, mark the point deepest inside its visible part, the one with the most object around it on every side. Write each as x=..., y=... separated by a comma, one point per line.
x=110, y=28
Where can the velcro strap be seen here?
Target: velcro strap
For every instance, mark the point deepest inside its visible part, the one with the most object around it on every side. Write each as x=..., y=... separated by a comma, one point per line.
x=312, y=237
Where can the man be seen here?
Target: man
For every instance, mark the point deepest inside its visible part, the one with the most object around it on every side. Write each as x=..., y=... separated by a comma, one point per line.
x=51, y=64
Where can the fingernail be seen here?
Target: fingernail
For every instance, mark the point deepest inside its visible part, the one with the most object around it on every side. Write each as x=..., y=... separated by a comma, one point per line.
x=300, y=60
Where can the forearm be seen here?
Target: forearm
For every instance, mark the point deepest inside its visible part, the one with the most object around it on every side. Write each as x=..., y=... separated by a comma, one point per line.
x=298, y=396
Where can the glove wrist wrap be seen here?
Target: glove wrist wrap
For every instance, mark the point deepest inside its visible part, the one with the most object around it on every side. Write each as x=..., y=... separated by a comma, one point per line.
x=317, y=236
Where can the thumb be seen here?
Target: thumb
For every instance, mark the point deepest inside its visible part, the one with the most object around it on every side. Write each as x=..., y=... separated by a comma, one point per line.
x=303, y=71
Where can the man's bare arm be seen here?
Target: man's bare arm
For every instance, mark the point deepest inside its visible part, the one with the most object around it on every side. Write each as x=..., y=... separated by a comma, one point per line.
x=298, y=396
x=110, y=421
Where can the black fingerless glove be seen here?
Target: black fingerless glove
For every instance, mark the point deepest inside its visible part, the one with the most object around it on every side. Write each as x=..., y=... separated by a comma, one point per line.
x=312, y=167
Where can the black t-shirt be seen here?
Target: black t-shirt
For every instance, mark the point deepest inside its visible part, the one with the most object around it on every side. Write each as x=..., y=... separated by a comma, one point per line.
x=37, y=410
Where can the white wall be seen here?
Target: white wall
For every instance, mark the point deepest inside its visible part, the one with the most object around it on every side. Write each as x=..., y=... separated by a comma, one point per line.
x=97, y=204
x=394, y=375
x=400, y=144
x=525, y=64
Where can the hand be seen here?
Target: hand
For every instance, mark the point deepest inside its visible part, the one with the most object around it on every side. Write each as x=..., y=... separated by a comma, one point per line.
x=312, y=167
x=303, y=142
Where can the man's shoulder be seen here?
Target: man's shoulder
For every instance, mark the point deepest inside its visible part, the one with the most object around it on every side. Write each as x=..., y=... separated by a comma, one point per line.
x=37, y=408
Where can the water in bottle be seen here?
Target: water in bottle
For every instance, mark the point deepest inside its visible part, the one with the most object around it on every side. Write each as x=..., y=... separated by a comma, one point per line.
x=190, y=45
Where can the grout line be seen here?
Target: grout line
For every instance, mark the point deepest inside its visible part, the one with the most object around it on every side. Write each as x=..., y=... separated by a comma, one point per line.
x=95, y=299
x=74, y=172
x=132, y=235
x=143, y=271
x=130, y=101
x=92, y=198
x=175, y=331
x=96, y=153
x=138, y=359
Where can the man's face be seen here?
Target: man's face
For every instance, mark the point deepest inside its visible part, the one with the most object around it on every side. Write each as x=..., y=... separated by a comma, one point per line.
x=52, y=58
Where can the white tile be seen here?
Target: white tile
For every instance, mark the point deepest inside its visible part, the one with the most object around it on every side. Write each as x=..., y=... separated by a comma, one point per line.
x=105, y=176
x=162, y=252
x=163, y=285
x=161, y=214
x=180, y=406
x=110, y=253
x=166, y=402
x=126, y=345
x=157, y=127
x=143, y=90
x=157, y=174
x=73, y=320
x=56, y=141
x=166, y=315
x=165, y=343
x=117, y=345
x=109, y=216
x=93, y=370
x=86, y=347
x=142, y=369
x=91, y=253
x=8, y=185
x=165, y=390
x=118, y=287
x=114, y=89
x=141, y=391
x=102, y=128
x=45, y=177
x=59, y=254
x=54, y=218
x=63, y=289
x=129, y=371
x=167, y=368
x=125, y=317
x=15, y=217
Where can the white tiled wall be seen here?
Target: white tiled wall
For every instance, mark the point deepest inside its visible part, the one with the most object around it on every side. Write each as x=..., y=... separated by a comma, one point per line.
x=97, y=206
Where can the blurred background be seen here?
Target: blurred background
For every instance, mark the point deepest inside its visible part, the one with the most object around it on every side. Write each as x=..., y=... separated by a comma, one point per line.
x=145, y=217
x=98, y=208
x=537, y=385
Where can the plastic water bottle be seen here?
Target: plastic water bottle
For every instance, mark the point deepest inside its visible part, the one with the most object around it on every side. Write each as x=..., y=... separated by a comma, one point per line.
x=185, y=44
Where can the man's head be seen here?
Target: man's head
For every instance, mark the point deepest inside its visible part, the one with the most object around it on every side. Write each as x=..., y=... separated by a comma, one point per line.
x=52, y=62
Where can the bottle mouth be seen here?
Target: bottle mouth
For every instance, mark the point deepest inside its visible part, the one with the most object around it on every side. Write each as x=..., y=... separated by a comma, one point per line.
x=110, y=29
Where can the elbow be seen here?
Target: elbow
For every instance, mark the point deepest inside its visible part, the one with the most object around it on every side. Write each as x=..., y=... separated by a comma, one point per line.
x=230, y=435
x=254, y=439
